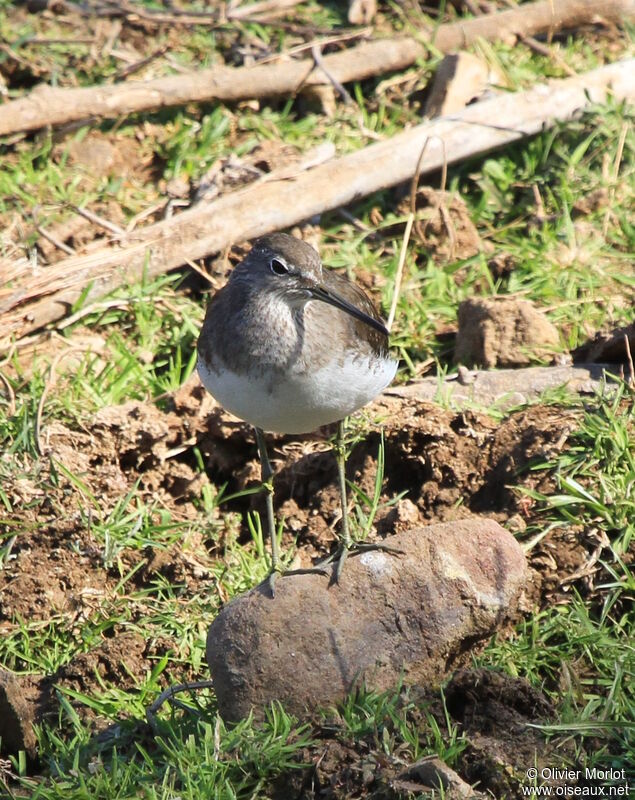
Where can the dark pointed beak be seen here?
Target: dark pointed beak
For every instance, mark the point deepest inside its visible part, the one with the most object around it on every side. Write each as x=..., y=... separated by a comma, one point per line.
x=334, y=299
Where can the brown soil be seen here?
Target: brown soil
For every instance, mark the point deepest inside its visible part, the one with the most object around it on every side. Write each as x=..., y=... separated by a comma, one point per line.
x=493, y=711
x=450, y=465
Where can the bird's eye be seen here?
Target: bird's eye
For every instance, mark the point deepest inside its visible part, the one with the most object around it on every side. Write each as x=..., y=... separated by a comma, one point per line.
x=278, y=266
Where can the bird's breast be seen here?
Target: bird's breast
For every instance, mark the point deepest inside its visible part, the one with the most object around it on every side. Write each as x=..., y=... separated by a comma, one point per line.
x=296, y=401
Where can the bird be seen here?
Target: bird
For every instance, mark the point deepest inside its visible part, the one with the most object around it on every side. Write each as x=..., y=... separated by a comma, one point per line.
x=288, y=346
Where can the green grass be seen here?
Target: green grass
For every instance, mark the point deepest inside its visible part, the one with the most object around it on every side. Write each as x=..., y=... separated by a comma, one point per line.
x=577, y=267
x=395, y=723
x=585, y=661
x=581, y=653
x=600, y=456
x=197, y=759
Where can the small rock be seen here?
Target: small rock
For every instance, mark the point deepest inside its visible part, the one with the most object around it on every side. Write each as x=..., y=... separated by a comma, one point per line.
x=391, y=616
x=361, y=12
x=432, y=773
x=516, y=524
x=459, y=79
x=403, y=515
x=503, y=332
x=178, y=187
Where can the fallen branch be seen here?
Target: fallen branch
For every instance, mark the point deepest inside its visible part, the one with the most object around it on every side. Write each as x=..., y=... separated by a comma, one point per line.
x=51, y=106
x=135, y=12
x=506, y=388
x=39, y=296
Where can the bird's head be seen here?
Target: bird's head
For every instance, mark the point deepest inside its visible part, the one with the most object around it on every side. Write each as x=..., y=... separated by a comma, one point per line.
x=292, y=269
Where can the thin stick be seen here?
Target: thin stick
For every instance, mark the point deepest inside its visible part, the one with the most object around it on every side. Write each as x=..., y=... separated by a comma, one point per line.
x=616, y=172
x=319, y=61
x=54, y=241
x=323, y=42
x=629, y=358
x=406, y=236
x=205, y=275
x=143, y=62
x=50, y=383
x=400, y=268
x=147, y=212
x=414, y=185
x=10, y=395
x=549, y=52
x=97, y=220
x=263, y=7
x=413, y=191
x=440, y=207
x=169, y=693
x=44, y=42
x=103, y=305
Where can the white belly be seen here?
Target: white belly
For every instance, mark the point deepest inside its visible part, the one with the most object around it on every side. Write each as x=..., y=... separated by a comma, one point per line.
x=300, y=403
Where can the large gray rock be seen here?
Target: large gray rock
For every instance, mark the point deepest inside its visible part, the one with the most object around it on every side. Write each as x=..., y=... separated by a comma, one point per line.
x=409, y=615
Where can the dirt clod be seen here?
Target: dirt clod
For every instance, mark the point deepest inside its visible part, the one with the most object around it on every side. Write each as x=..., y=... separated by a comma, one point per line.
x=18, y=712
x=615, y=347
x=503, y=332
x=444, y=225
x=116, y=660
x=493, y=710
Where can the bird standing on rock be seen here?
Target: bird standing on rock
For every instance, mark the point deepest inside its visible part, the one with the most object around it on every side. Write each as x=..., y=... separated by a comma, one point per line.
x=289, y=346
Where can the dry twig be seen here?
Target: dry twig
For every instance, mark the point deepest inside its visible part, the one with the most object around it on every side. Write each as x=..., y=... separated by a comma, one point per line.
x=400, y=270
x=97, y=220
x=52, y=106
x=271, y=205
x=10, y=395
x=616, y=174
x=55, y=241
x=629, y=357
x=549, y=52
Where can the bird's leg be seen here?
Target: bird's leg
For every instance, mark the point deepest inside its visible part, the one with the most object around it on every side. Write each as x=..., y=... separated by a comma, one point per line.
x=266, y=477
x=345, y=535
x=346, y=543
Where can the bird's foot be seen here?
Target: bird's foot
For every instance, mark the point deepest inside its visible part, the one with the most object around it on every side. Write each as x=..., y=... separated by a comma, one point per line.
x=356, y=548
x=284, y=573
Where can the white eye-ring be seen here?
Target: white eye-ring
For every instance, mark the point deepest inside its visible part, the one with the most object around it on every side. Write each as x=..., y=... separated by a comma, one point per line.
x=278, y=266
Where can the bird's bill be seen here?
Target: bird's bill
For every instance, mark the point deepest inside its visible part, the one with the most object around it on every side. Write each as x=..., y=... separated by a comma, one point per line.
x=334, y=299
